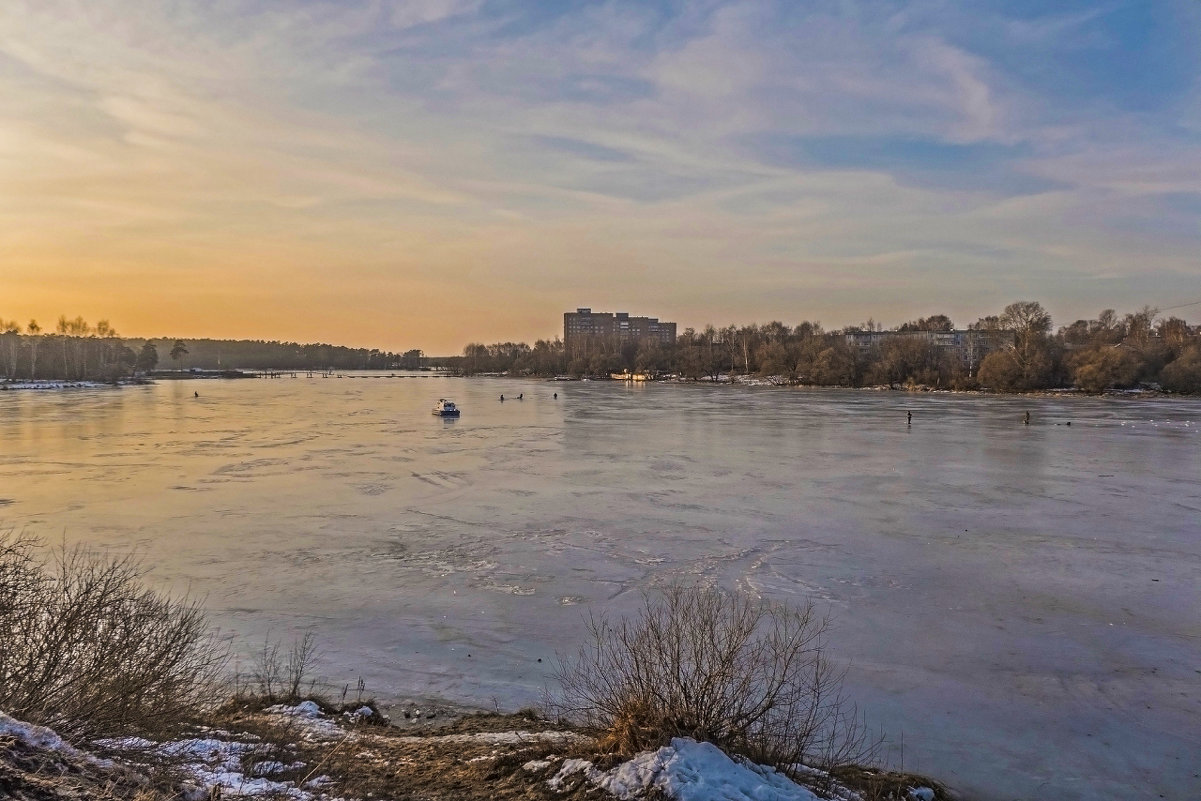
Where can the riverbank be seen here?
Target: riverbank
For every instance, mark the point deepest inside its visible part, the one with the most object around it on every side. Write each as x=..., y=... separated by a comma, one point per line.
x=54, y=384
x=1061, y=392
x=780, y=382
x=305, y=752
x=50, y=385
x=722, y=380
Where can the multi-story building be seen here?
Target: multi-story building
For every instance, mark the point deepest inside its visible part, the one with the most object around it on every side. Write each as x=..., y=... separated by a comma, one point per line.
x=609, y=329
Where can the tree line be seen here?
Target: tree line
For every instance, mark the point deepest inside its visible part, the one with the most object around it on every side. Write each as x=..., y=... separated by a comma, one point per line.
x=248, y=354
x=75, y=350
x=1014, y=351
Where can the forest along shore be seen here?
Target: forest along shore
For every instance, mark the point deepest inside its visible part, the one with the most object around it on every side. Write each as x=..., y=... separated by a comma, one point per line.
x=1014, y=351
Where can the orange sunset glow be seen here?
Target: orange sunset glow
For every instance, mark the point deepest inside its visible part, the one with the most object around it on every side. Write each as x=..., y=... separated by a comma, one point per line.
x=428, y=174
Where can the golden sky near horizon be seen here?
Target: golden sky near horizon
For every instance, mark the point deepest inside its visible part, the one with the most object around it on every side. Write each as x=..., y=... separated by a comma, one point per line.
x=425, y=174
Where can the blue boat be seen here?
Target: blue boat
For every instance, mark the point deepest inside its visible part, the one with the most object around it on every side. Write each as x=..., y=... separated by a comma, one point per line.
x=446, y=408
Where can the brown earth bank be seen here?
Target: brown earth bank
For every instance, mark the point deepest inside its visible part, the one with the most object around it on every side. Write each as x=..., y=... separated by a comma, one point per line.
x=279, y=754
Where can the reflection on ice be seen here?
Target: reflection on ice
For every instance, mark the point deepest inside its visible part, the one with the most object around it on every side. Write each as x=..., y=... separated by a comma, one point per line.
x=1019, y=600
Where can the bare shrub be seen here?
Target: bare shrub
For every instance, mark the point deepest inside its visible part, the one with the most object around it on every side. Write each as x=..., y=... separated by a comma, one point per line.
x=18, y=574
x=88, y=650
x=301, y=657
x=267, y=676
x=278, y=676
x=748, y=676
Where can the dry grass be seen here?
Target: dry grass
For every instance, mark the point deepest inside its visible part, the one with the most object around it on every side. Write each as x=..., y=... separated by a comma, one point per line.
x=390, y=763
x=886, y=785
x=29, y=773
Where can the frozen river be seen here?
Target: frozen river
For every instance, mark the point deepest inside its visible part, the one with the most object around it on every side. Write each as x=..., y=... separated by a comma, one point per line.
x=1022, y=602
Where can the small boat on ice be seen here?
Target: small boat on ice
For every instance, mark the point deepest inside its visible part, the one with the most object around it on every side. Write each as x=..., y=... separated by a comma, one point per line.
x=446, y=408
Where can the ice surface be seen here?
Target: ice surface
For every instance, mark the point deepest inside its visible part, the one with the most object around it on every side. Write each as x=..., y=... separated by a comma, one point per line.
x=1019, y=601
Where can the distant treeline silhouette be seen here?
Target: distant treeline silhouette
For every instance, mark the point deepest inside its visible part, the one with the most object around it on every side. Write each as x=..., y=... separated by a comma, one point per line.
x=1014, y=351
x=78, y=351
x=73, y=351
x=247, y=354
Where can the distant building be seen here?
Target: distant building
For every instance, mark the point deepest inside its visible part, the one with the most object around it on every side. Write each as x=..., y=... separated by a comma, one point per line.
x=584, y=326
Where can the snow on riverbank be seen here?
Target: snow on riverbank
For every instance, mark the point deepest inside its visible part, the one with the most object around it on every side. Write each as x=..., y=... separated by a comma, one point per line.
x=688, y=771
x=51, y=385
x=33, y=736
x=238, y=764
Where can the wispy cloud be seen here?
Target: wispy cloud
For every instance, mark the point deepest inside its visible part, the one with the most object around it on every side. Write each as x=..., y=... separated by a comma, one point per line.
x=761, y=159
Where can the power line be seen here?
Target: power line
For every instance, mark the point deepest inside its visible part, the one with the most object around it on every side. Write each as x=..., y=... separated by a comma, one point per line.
x=1182, y=305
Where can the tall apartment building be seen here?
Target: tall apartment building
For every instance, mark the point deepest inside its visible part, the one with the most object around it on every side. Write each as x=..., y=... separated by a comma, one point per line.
x=583, y=326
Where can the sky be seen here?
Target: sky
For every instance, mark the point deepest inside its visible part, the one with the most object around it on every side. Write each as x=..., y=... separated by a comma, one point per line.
x=426, y=174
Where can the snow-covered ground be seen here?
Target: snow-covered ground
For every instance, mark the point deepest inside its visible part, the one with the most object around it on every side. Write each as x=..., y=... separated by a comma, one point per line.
x=1017, y=601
